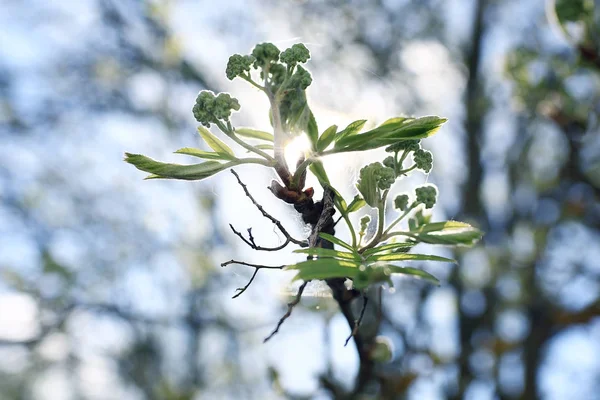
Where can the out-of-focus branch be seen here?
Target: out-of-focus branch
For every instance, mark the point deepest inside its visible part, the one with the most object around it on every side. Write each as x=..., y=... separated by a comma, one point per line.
x=291, y=306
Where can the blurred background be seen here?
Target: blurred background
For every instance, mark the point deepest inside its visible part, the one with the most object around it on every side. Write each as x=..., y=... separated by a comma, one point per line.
x=110, y=286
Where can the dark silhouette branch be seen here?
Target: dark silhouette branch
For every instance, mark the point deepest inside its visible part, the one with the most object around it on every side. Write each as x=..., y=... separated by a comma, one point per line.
x=359, y=320
x=291, y=306
x=250, y=242
x=256, y=267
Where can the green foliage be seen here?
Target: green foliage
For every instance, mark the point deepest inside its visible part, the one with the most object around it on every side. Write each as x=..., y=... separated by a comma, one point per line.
x=284, y=81
x=264, y=54
x=405, y=145
x=401, y=202
x=374, y=178
x=298, y=53
x=238, y=65
x=213, y=109
x=426, y=195
x=423, y=160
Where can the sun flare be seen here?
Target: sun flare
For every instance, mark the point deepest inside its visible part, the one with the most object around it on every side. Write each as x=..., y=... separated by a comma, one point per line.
x=296, y=149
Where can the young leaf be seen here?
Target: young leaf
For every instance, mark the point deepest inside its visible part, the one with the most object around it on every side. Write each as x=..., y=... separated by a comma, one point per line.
x=264, y=146
x=352, y=129
x=321, y=252
x=394, y=269
x=319, y=171
x=404, y=246
x=326, y=138
x=448, y=233
x=407, y=257
x=390, y=133
x=254, y=134
x=335, y=240
x=356, y=204
x=176, y=171
x=325, y=268
x=190, y=151
x=215, y=143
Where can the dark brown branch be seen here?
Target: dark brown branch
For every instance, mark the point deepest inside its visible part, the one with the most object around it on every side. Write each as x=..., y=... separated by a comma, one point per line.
x=291, y=306
x=288, y=237
x=256, y=268
x=250, y=241
x=359, y=320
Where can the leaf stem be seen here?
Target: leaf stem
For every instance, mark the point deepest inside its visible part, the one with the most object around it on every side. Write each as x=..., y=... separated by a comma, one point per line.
x=228, y=130
x=380, y=223
x=248, y=79
x=409, y=209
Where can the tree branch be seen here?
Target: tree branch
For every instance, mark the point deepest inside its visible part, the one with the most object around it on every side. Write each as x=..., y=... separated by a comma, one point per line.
x=288, y=237
x=291, y=306
x=256, y=268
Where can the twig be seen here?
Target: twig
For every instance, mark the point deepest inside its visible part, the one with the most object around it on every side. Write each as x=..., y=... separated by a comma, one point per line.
x=250, y=241
x=288, y=237
x=291, y=306
x=256, y=268
x=359, y=320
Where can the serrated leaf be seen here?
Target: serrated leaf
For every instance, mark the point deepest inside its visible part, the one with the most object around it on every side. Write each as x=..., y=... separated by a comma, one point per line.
x=319, y=171
x=321, y=252
x=394, y=269
x=175, y=171
x=391, y=133
x=255, y=134
x=407, y=257
x=389, y=247
x=352, y=129
x=335, y=240
x=207, y=155
x=215, y=143
x=312, y=130
x=367, y=186
x=324, y=268
x=326, y=138
x=356, y=204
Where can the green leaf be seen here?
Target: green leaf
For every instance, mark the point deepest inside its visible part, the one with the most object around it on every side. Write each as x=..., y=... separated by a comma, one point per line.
x=335, y=240
x=394, y=269
x=321, y=252
x=389, y=247
x=215, y=143
x=326, y=138
x=443, y=226
x=175, y=171
x=208, y=155
x=395, y=120
x=312, y=130
x=324, y=268
x=448, y=233
x=367, y=186
x=352, y=129
x=264, y=146
x=356, y=204
x=390, y=133
x=407, y=257
x=319, y=171
x=255, y=134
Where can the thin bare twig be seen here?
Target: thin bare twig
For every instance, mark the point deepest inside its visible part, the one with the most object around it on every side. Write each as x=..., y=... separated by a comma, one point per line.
x=250, y=241
x=288, y=237
x=359, y=320
x=291, y=306
x=256, y=268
